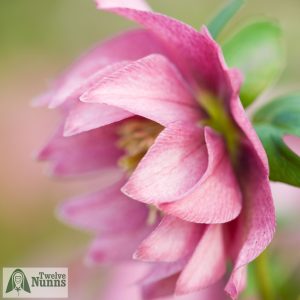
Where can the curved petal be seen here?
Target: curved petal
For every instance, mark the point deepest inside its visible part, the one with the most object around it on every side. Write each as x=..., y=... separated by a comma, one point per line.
x=173, y=239
x=150, y=87
x=194, y=52
x=255, y=226
x=240, y=117
x=237, y=282
x=207, y=265
x=105, y=211
x=130, y=45
x=87, y=116
x=82, y=117
x=216, y=198
x=86, y=152
x=135, y=4
x=171, y=167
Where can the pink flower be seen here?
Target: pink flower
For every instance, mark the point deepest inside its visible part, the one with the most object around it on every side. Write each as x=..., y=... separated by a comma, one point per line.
x=165, y=97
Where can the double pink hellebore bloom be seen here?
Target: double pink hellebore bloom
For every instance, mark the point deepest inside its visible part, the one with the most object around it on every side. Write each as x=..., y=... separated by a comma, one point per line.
x=162, y=102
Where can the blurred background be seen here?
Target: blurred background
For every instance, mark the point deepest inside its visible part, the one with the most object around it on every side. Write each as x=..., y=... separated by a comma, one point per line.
x=38, y=40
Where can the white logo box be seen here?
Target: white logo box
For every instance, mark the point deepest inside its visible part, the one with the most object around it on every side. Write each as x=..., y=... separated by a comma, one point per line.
x=35, y=283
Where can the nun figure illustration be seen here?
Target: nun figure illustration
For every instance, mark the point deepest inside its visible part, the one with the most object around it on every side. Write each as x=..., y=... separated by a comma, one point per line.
x=18, y=282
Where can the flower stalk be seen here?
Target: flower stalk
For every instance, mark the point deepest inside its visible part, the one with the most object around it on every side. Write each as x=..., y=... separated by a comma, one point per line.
x=263, y=279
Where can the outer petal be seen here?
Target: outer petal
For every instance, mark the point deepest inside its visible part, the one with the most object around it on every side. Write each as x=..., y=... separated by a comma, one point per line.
x=207, y=265
x=135, y=4
x=150, y=87
x=130, y=45
x=216, y=198
x=87, y=116
x=82, y=116
x=256, y=225
x=105, y=211
x=171, y=167
x=193, y=51
x=172, y=240
x=242, y=120
x=82, y=153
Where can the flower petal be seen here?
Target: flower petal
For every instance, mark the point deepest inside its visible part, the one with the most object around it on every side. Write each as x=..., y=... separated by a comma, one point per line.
x=207, y=265
x=171, y=167
x=130, y=45
x=216, y=198
x=158, y=289
x=172, y=240
x=134, y=4
x=194, y=52
x=87, y=116
x=237, y=282
x=105, y=211
x=256, y=224
x=150, y=87
x=86, y=152
x=161, y=271
x=242, y=120
x=116, y=248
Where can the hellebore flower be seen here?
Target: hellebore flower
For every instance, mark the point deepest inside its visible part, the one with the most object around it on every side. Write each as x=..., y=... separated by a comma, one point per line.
x=163, y=104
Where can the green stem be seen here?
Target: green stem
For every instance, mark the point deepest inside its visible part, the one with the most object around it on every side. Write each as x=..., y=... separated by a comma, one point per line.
x=263, y=277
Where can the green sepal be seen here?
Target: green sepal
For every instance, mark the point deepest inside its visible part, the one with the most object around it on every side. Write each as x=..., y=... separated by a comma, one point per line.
x=257, y=51
x=272, y=122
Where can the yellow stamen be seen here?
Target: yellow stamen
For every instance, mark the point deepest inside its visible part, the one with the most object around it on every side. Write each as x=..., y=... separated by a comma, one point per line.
x=136, y=137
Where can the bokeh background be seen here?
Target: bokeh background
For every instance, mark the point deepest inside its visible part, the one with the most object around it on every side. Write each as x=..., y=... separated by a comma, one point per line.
x=38, y=40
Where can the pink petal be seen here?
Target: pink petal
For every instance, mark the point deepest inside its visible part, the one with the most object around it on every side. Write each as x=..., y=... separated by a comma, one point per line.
x=193, y=51
x=237, y=282
x=256, y=225
x=161, y=271
x=82, y=153
x=162, y=288
x=171, y=167
x=172, y=240
x=216, y=198
x=130, y=45
x=135, y=4
x=117, y=247
x=82, y=116
x=87, y=116
x=105, y=211
x=150, y=87
x=242, y=120
x=207, y=265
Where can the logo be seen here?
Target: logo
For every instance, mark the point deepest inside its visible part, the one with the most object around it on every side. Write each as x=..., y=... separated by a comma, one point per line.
x=18, y=282
x=35, y=282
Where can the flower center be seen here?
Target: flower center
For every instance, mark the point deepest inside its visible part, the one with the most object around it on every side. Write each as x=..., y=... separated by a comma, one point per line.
x=136, y=137
x=220, y=119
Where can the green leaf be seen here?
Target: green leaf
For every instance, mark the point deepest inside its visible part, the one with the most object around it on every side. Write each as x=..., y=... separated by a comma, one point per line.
x=272, y=122
x=223, y=17
x=257, y=50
